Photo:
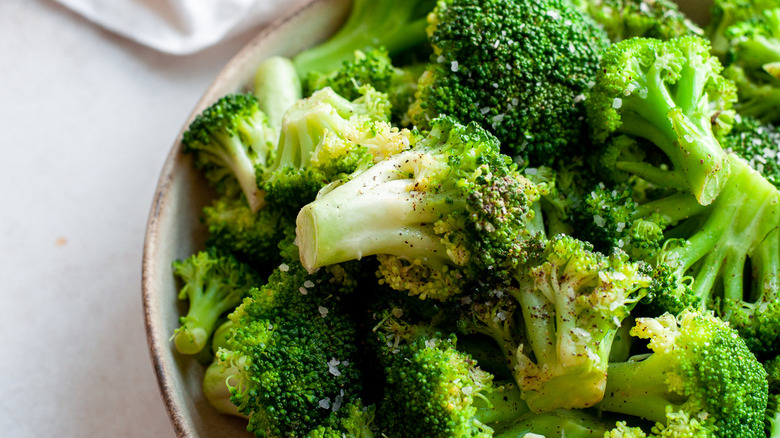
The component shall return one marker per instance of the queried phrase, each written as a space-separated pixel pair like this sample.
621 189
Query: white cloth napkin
180 27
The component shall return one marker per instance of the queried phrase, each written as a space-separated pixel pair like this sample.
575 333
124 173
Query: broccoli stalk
395 25
726 255
699 379
230 140
667 93
452 201
277 87
214 283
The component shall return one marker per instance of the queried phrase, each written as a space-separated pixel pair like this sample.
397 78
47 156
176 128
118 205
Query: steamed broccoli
324 138
396 25
442 213
433 389
214 282
699 380
726 13
625 19
753 63
277 87
290 360
231 139
668 93
519 68
374 68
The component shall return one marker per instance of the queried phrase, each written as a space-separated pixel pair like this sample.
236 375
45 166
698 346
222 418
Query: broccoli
253 237
290 362
519 68
444 212
625 19
753 63
374 68
724 256
396 25
558 423
231 139
324 138
772 423
699 380
758 144
435 390
726 13
358 422
214 282
667 92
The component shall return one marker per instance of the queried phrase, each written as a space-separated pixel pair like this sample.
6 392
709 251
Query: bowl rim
152 322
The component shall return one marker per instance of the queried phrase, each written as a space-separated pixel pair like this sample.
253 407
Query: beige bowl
174 231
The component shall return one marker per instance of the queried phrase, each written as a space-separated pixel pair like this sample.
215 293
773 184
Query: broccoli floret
231 139
441 213
668 93
519 68
252 237
324 138
758 144
433 389
291 357
726 13
356 421
753 63
214 283
396 25
699 380
772 423
625 19
374 68
573 302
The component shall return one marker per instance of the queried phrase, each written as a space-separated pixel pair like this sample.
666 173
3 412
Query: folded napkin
180 26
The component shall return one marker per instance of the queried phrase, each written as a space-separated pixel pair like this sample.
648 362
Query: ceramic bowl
174 230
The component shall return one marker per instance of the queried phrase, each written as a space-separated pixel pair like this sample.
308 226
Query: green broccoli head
252 237
292 352
519 68
214 283
625 19
453 201
573 301
699 380
232 141
324 138
667 93
726 13
754 44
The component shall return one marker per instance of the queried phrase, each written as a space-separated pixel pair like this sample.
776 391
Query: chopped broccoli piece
726 13
667 93
231 139
292 354
214 282
699 380
441 213
519 68
625 19
277 87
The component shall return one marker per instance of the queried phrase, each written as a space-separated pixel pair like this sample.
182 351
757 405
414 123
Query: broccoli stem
638 388
503 404
206 307
401 221
277 87
395 25
741 218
